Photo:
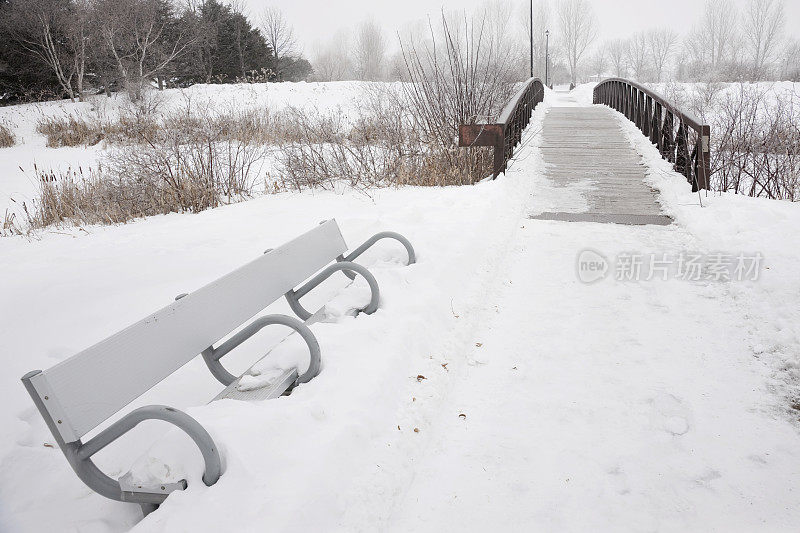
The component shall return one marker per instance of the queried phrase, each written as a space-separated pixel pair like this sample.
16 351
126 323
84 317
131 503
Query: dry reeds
7 138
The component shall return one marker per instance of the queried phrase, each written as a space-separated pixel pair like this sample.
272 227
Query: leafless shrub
7 138
755 135
454 79
381 147
756 143
165 170
456 76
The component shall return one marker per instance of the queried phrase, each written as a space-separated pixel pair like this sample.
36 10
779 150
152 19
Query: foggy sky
316 21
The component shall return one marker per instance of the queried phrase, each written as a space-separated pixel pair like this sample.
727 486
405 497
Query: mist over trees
72 48
577 27
732 40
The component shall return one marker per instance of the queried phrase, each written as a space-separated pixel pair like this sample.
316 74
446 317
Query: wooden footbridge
586 146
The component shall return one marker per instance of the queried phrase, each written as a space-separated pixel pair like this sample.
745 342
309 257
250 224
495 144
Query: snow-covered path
618 406
615 406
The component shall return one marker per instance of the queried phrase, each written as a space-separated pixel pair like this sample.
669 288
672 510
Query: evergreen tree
227 48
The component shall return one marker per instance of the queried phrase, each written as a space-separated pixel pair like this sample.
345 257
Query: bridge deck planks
586 146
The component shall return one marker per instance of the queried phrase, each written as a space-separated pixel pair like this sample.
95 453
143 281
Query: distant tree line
72 48
730 42
733 40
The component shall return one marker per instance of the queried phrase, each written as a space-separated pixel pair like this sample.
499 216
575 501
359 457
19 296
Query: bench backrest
89 387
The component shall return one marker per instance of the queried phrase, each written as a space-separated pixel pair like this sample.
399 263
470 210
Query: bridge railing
682 139
506 133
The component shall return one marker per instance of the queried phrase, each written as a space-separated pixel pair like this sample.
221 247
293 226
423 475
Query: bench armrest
412 257
212 355
190 426
293 296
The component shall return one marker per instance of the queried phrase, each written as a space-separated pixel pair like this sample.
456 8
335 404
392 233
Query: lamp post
547 59
531 27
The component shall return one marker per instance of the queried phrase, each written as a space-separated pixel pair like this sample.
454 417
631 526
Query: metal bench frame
79 454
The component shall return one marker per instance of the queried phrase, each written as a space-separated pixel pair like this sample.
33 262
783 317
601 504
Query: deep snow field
613 406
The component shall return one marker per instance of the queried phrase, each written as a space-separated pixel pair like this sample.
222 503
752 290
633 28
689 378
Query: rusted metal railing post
506 133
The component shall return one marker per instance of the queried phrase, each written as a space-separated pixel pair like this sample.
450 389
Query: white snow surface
492 390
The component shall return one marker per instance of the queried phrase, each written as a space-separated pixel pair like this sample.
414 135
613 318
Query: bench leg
148 508
412 257
293 297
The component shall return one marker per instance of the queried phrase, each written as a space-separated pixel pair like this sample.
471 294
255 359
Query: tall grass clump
7 138
70 131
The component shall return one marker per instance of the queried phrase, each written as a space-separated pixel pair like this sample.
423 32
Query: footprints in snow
669 414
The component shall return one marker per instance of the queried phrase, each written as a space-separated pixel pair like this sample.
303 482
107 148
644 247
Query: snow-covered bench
80 393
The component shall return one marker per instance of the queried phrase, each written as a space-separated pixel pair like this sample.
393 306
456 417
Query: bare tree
763 28
137 35
455 79
790 64
332 60
598 63
78 34
499 16
636 53
370 51
617 54
280 38
55 33
662 43
710 43
578 29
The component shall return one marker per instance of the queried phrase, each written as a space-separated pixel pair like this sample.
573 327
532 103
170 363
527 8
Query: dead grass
136 127
144 181
197 158
70 131
7 138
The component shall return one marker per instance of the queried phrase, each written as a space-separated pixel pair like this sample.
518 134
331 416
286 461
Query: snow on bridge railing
674 131
505 134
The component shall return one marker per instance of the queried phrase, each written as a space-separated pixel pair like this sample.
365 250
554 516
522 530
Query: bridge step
606 218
